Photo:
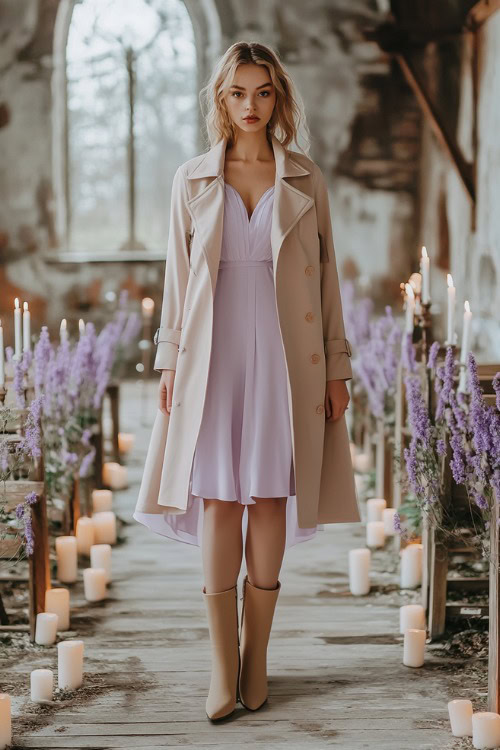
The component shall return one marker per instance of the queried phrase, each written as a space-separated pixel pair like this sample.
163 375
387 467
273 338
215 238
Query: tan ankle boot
222 614
256 621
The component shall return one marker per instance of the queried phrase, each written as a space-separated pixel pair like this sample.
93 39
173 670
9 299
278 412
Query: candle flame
16 303
409 291
449 279
25 306
424 252
467 306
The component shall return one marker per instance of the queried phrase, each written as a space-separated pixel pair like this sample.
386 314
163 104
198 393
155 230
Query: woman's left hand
336 399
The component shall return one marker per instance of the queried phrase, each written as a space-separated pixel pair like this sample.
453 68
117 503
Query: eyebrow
242 88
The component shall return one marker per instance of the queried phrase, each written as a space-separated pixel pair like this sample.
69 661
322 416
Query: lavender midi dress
244 446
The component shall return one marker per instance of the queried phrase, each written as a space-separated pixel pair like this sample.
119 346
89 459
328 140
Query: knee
223 511
268 506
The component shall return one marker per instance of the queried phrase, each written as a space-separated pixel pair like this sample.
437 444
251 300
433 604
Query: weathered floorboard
336 677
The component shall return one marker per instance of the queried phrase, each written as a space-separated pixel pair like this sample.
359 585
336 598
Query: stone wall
343 78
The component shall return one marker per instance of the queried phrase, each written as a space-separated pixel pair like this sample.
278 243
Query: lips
251 119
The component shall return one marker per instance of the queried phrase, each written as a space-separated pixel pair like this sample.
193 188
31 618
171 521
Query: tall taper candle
17 329
63 330
26 328
425 271
452 293
81 326
410 308
466 333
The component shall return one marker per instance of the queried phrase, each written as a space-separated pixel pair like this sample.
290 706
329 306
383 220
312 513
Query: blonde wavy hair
288 122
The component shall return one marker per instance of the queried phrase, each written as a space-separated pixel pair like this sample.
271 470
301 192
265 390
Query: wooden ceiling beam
464 168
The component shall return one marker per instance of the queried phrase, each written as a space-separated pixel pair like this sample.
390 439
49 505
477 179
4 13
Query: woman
254 360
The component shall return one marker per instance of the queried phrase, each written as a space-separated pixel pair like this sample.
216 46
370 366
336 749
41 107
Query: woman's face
251 97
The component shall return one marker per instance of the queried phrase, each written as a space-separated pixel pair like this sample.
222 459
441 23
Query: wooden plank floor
336 677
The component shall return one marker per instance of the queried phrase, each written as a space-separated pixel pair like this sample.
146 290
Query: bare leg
222 544
265 542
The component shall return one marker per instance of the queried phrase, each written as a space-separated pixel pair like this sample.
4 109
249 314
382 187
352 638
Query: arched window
131 118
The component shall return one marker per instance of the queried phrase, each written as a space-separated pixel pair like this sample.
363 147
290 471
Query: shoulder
307 163
190 165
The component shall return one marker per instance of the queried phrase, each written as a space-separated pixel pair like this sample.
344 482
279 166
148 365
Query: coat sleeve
168 335
337 347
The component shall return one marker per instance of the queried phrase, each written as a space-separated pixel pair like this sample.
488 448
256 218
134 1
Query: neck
251 147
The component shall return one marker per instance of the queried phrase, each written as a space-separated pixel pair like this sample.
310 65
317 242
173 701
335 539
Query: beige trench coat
311 323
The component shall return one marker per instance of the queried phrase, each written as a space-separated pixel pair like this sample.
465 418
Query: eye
265 93
236 93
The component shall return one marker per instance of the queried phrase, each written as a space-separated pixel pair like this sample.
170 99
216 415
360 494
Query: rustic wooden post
39 566
379 458
114 397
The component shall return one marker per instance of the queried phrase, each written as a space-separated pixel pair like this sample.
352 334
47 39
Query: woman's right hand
165 391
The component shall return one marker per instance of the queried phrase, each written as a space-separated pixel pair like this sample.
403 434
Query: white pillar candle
375 536
17 329
388 515
362 462
2 357
359 571
26 328
411 616
94 584
63 330
374 508
125 441
42 685
411 566
460 712
81 327
70 664
57 601
485 730
67 559
105 527
85 535
102 500
115 475
425 271
46 628
450 337
5 721
414 647
100 557
410 308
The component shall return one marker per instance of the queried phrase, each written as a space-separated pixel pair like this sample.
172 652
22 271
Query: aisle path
336 677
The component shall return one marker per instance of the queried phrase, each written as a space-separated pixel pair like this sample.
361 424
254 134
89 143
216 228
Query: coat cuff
338 359
167 342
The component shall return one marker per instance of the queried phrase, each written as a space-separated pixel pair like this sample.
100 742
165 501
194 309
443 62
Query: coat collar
212 165
207 206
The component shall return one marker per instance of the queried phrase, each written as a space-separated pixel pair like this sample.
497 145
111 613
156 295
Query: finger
328 407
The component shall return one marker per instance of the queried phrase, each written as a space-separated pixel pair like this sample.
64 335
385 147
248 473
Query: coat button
309 270
315 358
177 403
309 317
183 349
320 409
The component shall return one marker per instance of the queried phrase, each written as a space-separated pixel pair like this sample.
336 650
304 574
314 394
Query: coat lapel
207 207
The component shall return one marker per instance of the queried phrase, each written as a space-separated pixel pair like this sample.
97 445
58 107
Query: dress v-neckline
249 218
